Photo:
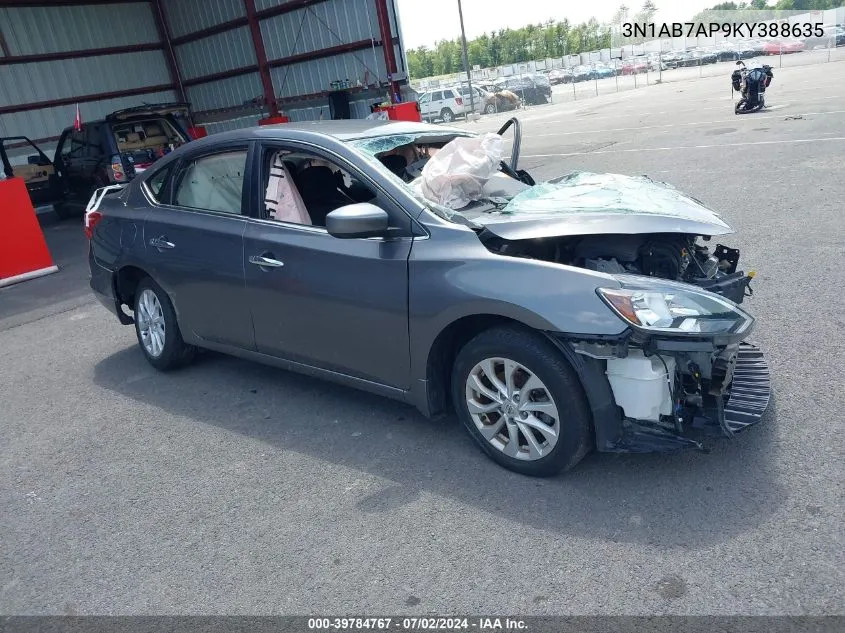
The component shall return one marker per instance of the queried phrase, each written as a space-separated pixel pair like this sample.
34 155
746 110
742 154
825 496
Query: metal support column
261 56
387 46
169 54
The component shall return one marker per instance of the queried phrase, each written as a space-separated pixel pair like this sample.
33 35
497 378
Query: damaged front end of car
617 224
683 371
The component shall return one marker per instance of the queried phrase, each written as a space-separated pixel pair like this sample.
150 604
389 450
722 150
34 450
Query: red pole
164 37
261 56
387 46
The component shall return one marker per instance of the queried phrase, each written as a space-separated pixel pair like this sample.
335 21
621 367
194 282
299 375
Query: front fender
452 277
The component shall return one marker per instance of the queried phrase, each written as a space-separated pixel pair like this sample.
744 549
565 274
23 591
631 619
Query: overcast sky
426 21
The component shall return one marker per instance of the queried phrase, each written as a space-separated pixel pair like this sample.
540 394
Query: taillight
117 168
459 101
91 220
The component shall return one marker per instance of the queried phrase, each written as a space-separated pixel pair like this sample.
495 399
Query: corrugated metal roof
225 93
34 30
225 51
44 81
187 16
317 75
320 26
48 122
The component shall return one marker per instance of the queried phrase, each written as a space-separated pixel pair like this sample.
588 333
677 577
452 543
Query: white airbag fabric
456 175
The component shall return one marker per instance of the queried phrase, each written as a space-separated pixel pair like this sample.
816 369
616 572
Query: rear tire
555 408
157 330
447 115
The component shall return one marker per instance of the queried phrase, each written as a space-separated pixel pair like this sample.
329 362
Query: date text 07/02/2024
725 29
354 624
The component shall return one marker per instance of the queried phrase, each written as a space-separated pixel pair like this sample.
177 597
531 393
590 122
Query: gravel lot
235 488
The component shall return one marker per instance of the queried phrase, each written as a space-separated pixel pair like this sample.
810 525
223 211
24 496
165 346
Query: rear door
94 161
70 155
193 238
436 103
425 104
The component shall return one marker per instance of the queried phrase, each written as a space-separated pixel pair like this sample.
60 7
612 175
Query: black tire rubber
443 114
490 109
176 352
540 356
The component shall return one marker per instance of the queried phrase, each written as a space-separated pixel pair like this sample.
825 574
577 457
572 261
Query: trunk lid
150 110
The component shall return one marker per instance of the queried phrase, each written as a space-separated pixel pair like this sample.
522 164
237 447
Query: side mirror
359 220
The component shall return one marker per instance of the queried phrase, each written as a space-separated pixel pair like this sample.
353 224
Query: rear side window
93 141
73 145
213 183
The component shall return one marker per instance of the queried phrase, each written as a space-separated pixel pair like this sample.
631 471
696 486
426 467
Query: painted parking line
693 124
686 147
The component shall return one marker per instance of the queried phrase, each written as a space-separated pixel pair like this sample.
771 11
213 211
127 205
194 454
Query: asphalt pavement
230 487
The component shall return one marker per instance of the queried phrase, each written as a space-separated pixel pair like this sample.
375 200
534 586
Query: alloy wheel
512 408
151 323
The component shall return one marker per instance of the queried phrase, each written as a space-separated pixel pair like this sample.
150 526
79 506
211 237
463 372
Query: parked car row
502 95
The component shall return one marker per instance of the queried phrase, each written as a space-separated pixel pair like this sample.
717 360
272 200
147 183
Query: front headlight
661 306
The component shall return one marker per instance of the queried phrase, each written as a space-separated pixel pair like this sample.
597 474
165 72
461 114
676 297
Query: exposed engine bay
667 256
610 223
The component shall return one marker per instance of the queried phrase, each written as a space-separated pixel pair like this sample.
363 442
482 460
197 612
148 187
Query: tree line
559 38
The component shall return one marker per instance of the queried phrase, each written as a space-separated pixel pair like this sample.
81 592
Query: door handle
161 243
261 260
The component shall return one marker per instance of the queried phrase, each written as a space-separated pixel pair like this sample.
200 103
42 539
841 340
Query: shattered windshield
460 178
402 157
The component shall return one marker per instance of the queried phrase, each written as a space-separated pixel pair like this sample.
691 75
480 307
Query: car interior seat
283 201
318 187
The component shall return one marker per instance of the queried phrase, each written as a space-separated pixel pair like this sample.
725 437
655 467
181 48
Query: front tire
490 109
522 402
157 330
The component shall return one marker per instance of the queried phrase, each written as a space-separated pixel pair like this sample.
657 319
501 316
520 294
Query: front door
337 304
193 237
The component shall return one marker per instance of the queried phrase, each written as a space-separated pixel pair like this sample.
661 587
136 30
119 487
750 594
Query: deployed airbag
456 175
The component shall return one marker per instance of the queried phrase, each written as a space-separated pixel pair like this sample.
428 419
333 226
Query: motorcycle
751 85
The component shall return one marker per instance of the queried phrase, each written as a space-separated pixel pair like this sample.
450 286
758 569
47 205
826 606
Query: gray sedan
583 313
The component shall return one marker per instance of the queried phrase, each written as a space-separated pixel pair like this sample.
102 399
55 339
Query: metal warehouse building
235 61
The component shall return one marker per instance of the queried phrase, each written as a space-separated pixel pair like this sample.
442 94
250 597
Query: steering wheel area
513 170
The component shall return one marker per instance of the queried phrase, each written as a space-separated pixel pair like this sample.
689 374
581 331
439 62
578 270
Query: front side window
303 188
213 183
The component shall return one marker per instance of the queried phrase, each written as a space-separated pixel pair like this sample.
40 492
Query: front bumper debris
743 404
750 391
